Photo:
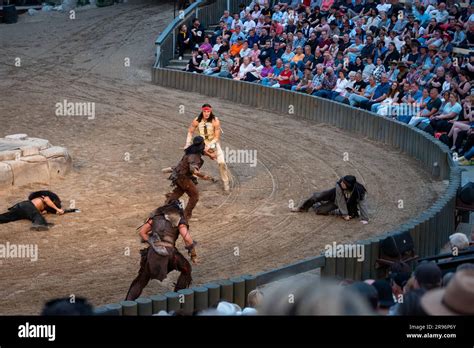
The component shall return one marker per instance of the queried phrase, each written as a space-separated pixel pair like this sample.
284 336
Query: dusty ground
86 254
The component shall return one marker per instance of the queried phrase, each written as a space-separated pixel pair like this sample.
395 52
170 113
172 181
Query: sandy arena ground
85 254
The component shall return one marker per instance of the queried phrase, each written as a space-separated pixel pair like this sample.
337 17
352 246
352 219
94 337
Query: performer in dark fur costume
38 204
183 176
161 230
347 198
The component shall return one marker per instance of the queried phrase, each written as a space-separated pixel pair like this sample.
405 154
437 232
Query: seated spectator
197 33
256 73
288 55
284 79
387 106
236 48
431 108
64 307
449 112
379 94
304 82
206 46
255 53
237 35
255 298
184 40
427 276
245 51
462 126
364 95
411 304
246 67
272 78
328 84
367 292
214 66
194 62
385 296
313 298
457 242
456 299
317 82
226 65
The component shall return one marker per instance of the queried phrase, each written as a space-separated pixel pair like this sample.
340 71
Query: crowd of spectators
410 61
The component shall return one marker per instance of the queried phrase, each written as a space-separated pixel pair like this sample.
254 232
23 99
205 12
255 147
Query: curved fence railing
429 230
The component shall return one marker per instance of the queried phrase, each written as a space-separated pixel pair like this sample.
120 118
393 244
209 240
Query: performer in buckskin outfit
209 127
161 230
347 198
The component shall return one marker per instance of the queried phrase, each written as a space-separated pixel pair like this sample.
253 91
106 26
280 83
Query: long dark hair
358 193
54 197
211 116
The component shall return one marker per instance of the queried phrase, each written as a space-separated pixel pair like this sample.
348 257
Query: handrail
164 34
171 27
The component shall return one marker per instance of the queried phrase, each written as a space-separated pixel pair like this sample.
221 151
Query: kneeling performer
347 199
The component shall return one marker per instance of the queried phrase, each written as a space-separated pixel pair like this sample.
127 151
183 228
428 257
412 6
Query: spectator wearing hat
456 299
300 40
427 276
459 37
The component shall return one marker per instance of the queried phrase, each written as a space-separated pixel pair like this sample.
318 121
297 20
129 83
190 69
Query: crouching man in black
347 199
38 204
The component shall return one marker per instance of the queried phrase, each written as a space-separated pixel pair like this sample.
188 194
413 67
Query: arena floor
86 254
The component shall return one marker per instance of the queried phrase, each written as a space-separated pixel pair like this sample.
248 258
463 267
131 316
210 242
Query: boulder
6 175
29 150
20 136
10 155
24 172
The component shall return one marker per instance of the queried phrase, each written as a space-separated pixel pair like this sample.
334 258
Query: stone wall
26 160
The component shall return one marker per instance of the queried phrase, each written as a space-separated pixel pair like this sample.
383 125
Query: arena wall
429 230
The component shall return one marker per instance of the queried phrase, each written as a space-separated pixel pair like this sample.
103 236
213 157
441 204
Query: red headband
207 108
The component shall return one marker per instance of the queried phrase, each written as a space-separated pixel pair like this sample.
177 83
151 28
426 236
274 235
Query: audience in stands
414 51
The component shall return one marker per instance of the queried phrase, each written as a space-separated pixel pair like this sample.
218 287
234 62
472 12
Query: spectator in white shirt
383 6
249 24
